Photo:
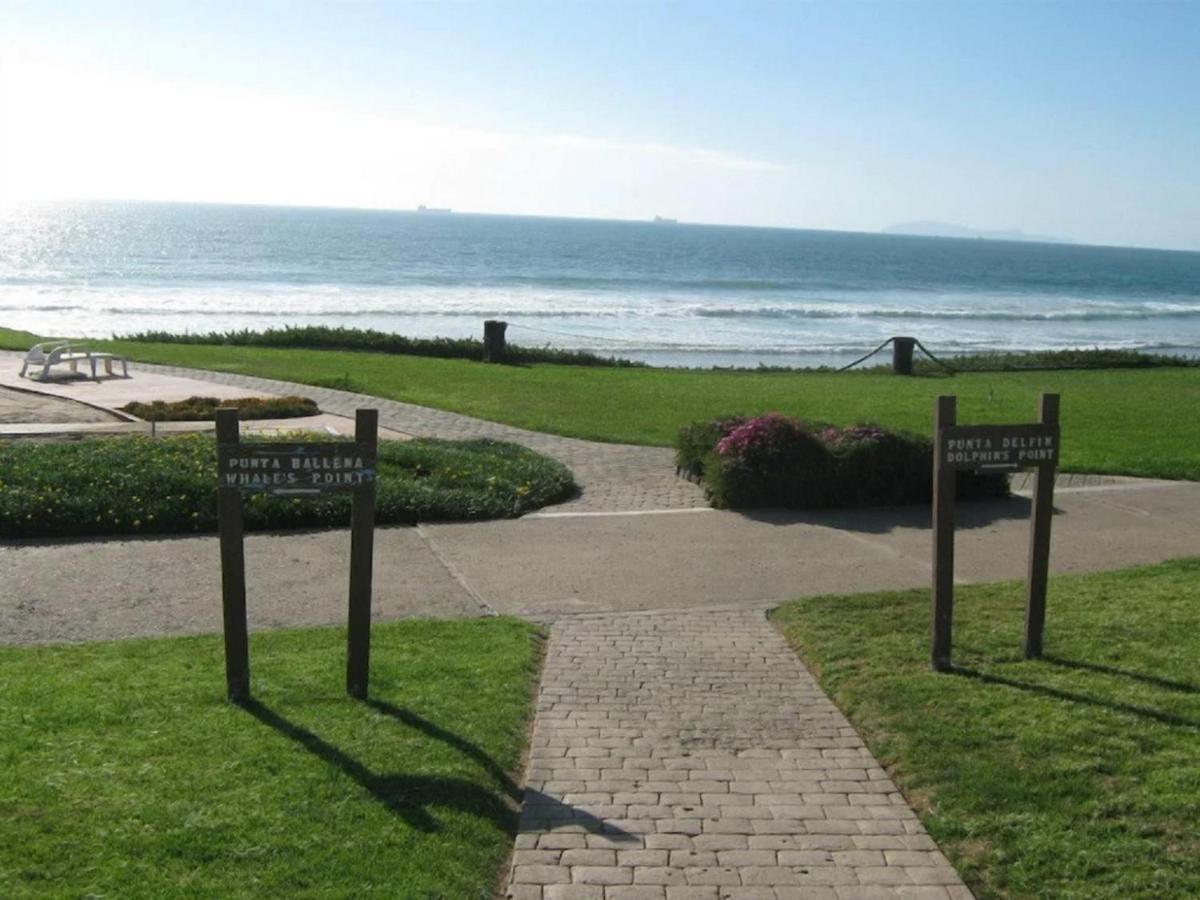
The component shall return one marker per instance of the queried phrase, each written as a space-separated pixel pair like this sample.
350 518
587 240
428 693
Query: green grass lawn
125 773
1117 421
1077 776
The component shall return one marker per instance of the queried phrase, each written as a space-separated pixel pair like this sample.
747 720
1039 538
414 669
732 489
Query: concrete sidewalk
548 565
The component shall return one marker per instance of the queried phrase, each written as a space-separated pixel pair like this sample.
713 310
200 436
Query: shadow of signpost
1145 712
542 812
1154 680
420 723
408 796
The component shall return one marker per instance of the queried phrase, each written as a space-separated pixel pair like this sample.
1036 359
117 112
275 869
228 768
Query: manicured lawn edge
1072 776
126 772
541 641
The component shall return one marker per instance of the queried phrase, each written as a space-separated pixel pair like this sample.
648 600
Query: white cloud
75 132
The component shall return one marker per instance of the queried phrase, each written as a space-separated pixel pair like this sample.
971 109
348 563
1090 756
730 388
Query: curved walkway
612 477
30 407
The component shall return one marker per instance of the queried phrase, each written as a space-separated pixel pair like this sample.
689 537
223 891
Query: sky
1077 120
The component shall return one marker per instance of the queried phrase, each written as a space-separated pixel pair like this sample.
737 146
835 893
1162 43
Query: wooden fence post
494 346
902 355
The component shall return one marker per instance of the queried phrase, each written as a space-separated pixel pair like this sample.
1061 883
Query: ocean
667 294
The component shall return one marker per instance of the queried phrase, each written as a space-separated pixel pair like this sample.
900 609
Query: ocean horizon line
1063 243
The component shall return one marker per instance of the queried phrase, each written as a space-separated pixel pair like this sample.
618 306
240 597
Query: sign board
295 470
998 448
991 448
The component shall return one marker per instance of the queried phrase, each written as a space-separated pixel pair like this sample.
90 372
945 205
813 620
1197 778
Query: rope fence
946 366
664 345
581 337
917 343
868 356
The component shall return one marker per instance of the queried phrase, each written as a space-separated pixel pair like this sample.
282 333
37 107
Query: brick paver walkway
691 756
612 477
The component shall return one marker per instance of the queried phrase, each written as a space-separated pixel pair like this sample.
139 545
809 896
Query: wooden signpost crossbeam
991 448
296 470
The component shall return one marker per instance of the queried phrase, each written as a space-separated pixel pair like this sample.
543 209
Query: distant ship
433 209
659 220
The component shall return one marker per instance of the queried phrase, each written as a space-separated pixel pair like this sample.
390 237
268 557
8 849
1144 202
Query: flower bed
775 460
204 409
139 485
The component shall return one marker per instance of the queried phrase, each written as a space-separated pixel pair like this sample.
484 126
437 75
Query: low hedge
204 409
1096 358
141 485
324 337
775 460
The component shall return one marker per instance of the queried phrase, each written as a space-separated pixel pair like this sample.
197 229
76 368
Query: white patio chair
47 354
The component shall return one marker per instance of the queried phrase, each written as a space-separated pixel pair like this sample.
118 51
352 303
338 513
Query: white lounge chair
53 353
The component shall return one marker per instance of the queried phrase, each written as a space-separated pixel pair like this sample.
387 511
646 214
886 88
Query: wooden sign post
991 448
362 562
296 470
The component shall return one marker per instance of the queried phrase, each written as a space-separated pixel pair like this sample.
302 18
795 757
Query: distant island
660 220
950 230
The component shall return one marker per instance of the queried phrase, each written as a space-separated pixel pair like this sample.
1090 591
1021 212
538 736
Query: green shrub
775 460
139 485
1095 358
697 442
323 337
204 409
879 468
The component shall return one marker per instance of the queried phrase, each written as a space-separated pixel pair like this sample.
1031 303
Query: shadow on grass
408 796
1072 697
1156 681
412 720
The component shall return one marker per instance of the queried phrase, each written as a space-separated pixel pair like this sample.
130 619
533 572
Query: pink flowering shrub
762 434
769 460
777 460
